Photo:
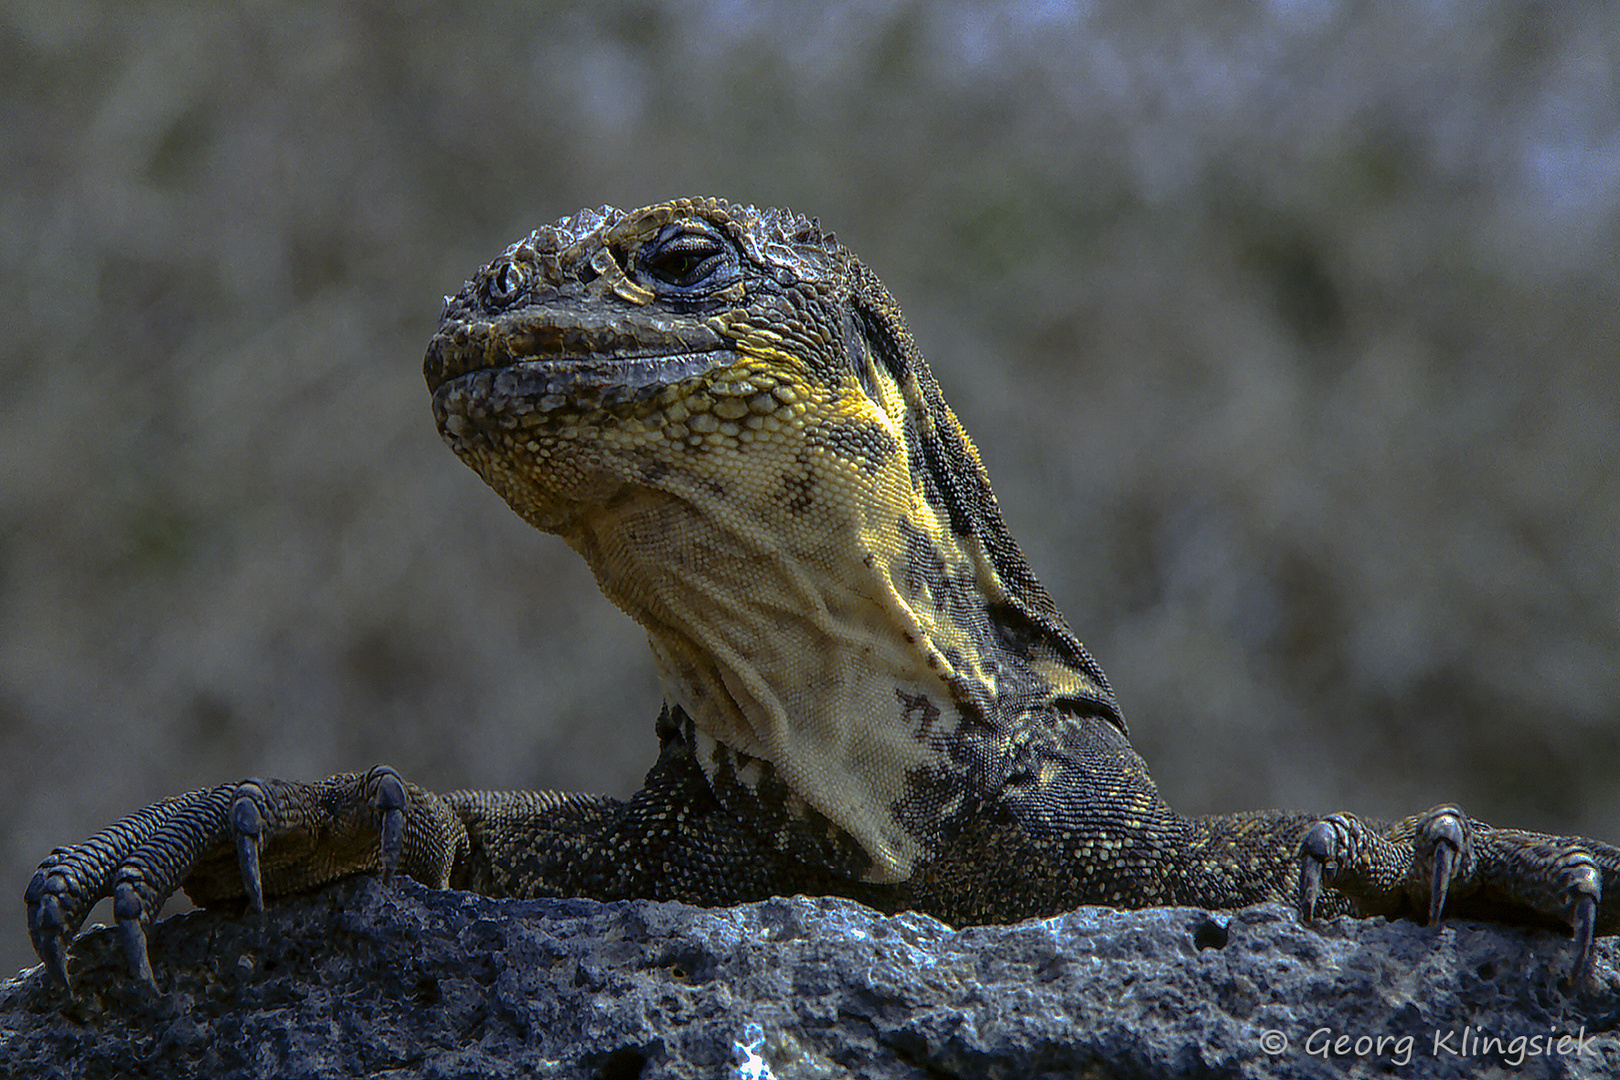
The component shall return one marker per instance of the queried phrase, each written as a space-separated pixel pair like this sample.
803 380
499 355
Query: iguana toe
1444 844
247 827
388 801
133 913
47 929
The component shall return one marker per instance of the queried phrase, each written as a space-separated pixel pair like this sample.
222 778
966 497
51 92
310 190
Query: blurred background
1289 332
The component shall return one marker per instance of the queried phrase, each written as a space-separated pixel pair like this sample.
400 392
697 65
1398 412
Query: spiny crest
790 228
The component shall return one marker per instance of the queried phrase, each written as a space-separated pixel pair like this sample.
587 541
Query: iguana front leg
241 843
244 840
1443 861
1437 863
235 841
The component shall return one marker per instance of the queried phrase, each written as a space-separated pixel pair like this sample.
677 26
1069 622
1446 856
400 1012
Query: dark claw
129 909
1310 888
389 802
1445 864
1317 850
53 950
45 926
1444 838
1587 884
1585 926
247 825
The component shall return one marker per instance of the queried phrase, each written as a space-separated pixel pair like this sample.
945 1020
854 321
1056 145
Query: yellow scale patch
716 518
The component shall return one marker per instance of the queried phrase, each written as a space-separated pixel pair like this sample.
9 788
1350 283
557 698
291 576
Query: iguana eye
688 256
504 282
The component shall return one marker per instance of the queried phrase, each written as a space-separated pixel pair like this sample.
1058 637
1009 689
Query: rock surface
400 981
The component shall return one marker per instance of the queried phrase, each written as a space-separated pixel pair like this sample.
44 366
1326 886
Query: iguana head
692 331
722 411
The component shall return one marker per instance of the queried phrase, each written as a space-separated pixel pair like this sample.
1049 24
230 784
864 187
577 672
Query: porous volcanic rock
400 981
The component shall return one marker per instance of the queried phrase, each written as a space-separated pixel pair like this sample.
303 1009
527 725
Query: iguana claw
1445 864
1443 841
1322 850
45 924
1584 926
1315 853
247 826
1585 884
130 911
389 802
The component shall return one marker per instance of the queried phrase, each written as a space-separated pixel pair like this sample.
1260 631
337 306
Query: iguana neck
835 639
772 486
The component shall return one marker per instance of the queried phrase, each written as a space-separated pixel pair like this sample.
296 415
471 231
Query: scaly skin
867 691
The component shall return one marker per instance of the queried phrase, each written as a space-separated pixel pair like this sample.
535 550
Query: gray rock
400 981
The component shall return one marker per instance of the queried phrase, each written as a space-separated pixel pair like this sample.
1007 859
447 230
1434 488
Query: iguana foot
1444 861
234 841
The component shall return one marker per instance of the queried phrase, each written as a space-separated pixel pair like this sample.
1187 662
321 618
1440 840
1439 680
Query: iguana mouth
524 393
637 354
508 368
531 384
